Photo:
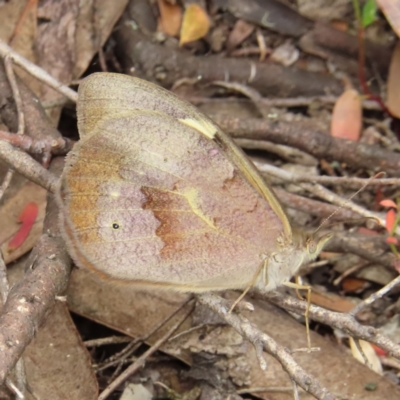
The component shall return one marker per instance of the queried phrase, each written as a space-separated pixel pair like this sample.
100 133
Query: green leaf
369 13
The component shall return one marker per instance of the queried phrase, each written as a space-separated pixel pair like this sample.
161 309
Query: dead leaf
195 24
9 213
286 54
239 33
136 392
170 17
393 83
353 285
57 363
331 301
346 120
133 311
391 9
27 218
370 354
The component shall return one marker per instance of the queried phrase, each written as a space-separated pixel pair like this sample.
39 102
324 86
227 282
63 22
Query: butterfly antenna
377 176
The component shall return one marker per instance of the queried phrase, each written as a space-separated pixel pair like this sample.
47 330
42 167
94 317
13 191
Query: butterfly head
313 245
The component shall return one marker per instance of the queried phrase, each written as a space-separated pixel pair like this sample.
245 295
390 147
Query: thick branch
30 299
319 144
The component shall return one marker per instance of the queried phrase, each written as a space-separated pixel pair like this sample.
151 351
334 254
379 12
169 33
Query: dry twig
345 322
262 341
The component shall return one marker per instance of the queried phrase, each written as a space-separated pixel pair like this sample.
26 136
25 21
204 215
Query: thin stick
21 118
348 200
375 296
37 72
107 340
295 177
16 94
343 321
261 340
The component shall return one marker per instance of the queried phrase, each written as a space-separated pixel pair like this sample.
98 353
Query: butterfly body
154 193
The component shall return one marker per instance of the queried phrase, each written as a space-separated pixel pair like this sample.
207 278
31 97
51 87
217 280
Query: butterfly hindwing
148 197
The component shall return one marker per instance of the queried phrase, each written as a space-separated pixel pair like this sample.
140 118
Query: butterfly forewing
106 95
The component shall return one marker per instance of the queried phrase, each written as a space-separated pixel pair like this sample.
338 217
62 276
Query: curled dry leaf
391 9
170 18
370 354
393 83
195 24
347 116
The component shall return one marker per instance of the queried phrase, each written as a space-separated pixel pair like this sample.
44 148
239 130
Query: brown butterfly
155 193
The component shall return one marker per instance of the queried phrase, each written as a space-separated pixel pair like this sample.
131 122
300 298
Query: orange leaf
170 18
195 24
28 218
347 116
390 219
350 284
388 203
393 83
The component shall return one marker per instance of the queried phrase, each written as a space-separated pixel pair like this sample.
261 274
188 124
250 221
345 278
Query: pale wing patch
192 196
207 128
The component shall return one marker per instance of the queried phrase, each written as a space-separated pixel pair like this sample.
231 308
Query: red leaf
28 218
392 240
388 203
380 352
390 219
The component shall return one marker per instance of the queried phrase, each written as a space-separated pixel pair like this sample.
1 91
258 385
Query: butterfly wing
105 95
148 197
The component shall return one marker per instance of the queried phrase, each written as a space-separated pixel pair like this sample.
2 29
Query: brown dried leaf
57 363
370 354
331 301
393 83
346 120
239 33
391 9
123 307
170 17
195 24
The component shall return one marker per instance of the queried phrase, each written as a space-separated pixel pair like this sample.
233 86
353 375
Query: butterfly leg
253 281
297 286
